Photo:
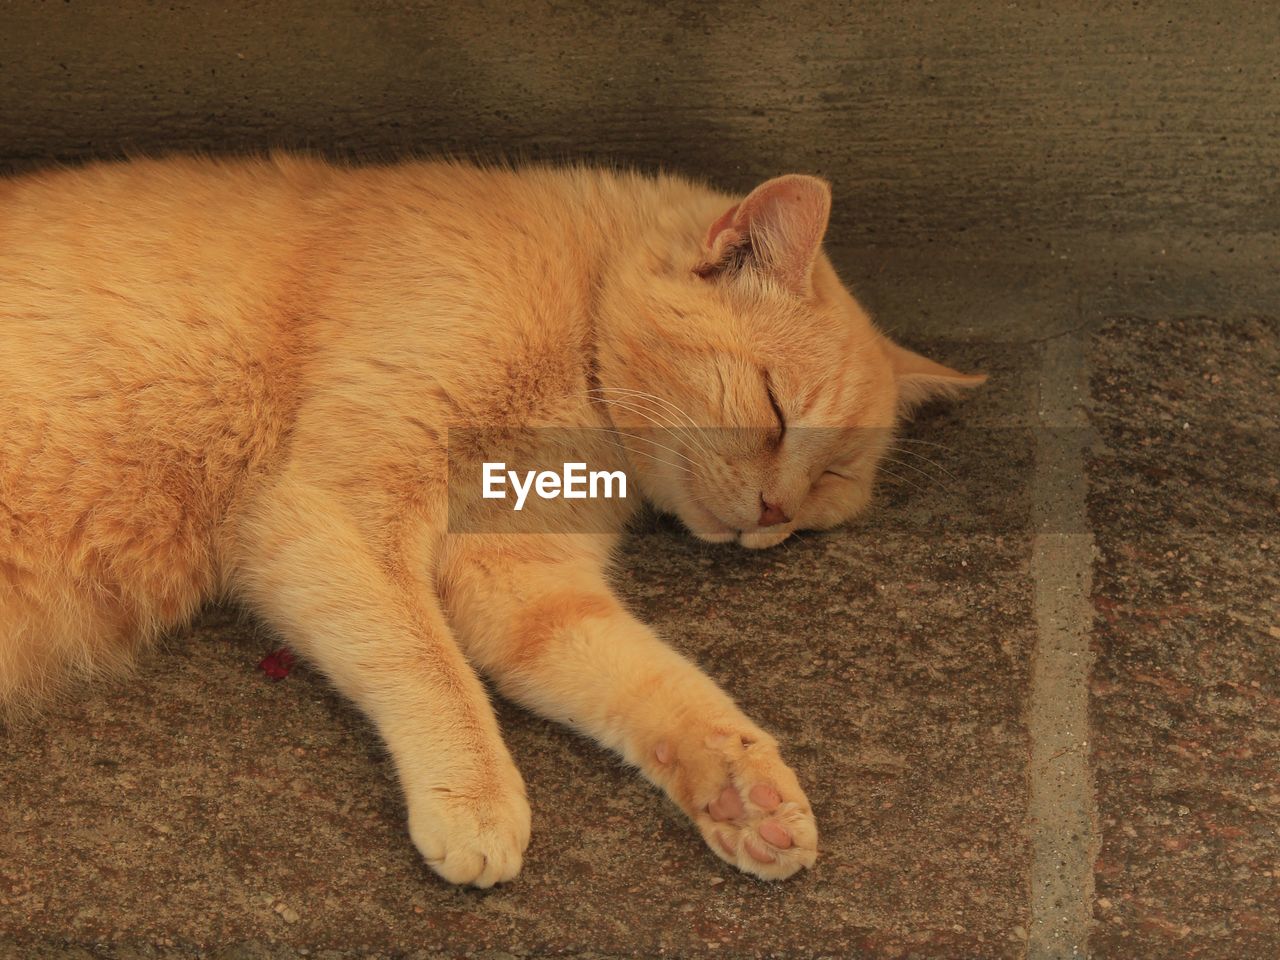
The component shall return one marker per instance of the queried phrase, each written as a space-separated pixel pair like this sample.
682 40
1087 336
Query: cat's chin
756 540
707 536
763 539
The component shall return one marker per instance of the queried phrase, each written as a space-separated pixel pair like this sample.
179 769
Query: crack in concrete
1060 807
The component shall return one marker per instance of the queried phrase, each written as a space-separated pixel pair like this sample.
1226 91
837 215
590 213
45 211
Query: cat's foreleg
374 630
544 625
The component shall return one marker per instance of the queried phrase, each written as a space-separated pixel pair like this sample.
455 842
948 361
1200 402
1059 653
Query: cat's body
240 378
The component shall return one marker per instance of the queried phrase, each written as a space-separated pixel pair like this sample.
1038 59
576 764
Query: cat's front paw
472 836
745 801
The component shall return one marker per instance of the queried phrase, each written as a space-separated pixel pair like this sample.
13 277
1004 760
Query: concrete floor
923 669
1034 696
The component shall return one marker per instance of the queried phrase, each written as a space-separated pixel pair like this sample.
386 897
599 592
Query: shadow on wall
930 120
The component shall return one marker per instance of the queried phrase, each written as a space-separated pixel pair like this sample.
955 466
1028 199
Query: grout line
1060 806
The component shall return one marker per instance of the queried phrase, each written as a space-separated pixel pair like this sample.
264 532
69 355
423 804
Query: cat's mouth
709 528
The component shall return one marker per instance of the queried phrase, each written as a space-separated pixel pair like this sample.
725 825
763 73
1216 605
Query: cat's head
753 392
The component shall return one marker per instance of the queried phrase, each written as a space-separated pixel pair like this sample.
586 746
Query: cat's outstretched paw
763 835
745 801
471 838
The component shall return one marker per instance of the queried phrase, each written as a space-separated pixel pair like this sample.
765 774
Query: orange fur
241 378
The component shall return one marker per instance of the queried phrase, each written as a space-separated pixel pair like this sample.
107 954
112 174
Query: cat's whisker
678 430
703 499
890 473
661 446
654 397
634 396
917 470
693 430
660 460
890 457
626 404
923 443
932 463
627 451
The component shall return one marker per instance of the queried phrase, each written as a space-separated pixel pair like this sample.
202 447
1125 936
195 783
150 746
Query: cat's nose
771 514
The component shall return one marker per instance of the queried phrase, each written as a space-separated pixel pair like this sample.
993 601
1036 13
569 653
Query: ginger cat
241 379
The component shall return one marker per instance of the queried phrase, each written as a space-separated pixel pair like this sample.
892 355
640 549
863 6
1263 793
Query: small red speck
277 664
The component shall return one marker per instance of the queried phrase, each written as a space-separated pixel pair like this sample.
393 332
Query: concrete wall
1009 123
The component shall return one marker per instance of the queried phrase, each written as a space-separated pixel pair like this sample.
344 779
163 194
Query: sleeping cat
255 378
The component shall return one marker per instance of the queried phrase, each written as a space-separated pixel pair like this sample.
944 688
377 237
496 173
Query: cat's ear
777 229
921 379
